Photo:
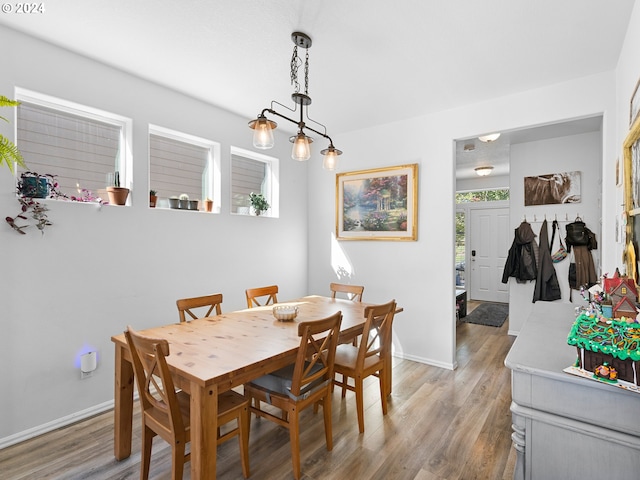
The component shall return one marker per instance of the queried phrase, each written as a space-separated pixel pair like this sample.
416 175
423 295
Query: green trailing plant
9 153
153 193
258 202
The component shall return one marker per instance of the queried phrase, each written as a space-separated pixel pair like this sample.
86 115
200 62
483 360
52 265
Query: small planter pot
174 203
153 199
117 195
35 187
208 205
193 204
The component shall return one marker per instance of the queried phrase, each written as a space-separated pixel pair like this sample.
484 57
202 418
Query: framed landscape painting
377 204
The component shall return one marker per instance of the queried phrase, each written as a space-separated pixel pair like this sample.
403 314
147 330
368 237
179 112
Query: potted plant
208 205
258 202
8 151
35 185
117 194
153 198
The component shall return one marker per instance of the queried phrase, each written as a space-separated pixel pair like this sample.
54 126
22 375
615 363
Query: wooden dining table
215 354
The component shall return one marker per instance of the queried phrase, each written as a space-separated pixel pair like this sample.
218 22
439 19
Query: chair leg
383 390
244 422
147 439
294 438
360 402
326 409
345 379
177 454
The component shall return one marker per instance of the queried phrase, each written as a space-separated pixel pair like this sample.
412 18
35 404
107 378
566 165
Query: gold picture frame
378 204
631 173
634 104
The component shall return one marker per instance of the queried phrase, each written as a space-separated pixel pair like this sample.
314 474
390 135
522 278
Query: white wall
95 271
482 183
581 153
419 274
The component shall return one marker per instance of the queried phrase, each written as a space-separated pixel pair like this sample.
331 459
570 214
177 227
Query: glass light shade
330 161
301 150
262 134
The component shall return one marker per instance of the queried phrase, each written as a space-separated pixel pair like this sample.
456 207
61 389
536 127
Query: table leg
123 409
204 427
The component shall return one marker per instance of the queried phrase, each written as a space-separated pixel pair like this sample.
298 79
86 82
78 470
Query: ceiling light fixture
484 171
489 138
263 127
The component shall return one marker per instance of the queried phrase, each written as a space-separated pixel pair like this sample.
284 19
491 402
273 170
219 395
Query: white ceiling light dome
484 171
492 137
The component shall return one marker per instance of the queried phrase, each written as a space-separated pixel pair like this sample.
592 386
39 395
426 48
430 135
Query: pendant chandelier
263 127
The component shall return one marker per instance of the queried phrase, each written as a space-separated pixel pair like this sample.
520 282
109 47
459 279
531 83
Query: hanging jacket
585 268
547 285
522 259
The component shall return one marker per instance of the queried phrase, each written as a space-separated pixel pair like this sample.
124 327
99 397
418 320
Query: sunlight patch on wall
340 263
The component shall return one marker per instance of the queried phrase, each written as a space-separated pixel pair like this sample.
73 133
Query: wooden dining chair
370 358
165 411
186 305
255 296
306 382
352 292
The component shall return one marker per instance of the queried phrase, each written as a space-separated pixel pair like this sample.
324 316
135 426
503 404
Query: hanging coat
547 285
522 262
585 268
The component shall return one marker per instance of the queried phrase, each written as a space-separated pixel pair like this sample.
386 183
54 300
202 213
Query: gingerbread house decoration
615 344
625 308
624 294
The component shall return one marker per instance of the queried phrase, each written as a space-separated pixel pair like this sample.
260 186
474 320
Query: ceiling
372 61
472 153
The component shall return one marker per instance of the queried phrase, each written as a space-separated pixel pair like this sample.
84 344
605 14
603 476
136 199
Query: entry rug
584 374
490 314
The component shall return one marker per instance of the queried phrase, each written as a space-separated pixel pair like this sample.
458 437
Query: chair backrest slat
254 296
352 292
155 385
186 305
376 334
317 351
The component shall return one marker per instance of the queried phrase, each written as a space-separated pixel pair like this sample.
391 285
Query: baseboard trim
427 361
55 424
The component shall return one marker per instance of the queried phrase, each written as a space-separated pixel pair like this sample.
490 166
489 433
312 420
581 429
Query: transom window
253 173
182 164
77 143
483 196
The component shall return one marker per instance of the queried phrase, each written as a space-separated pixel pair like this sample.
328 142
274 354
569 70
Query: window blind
178 167
79 151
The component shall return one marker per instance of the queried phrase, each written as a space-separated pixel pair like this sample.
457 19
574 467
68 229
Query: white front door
489 240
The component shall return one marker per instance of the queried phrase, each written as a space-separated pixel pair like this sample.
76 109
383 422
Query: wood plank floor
441 425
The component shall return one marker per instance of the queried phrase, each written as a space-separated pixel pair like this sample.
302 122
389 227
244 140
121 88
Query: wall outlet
84 375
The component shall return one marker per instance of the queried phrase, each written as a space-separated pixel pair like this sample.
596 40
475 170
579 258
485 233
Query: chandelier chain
294 69
306 73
